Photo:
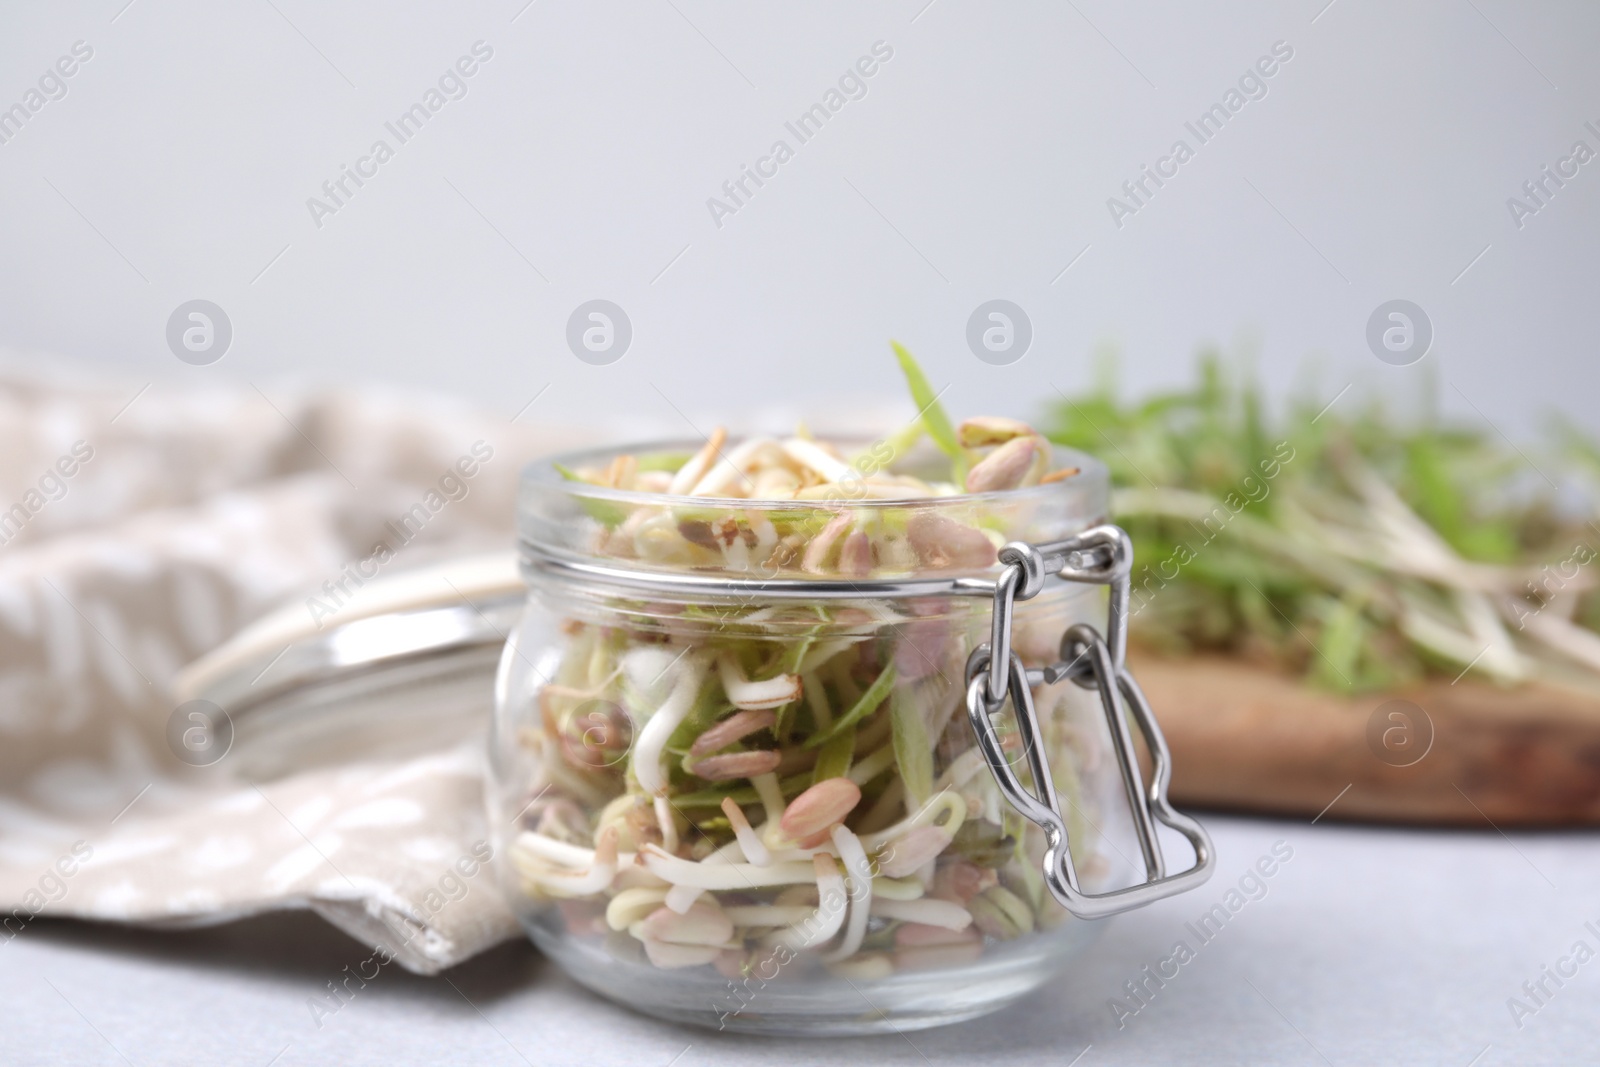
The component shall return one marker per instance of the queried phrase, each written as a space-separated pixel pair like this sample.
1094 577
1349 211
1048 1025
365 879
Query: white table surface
1371 946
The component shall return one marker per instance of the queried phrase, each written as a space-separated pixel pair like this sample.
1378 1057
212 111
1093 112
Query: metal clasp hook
1102 555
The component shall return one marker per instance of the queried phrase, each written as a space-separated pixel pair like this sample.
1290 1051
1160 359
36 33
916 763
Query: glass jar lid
405 667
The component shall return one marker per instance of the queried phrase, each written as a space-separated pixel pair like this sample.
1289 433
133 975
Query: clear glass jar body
768 814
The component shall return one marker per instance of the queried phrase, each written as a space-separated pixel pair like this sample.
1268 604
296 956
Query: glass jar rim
568 528
1092 480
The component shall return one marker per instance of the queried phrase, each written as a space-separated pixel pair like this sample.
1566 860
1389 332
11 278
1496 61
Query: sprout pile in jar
752 782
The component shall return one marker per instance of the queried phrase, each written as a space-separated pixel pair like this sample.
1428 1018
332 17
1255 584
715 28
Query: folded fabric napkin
140 528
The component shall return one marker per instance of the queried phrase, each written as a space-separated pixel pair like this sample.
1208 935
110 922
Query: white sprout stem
859 870
651 743
1421 626
733 466
810 454
799 855
692 471
669 826
645 665
928 911
756 696
638 876
766 533
1410 535
723 876
631 905
728 853
1306 541
735 554
1563 636
1410 545
680 898
575 857
886 888
768 914
761 615
1484 622
828 919
822 544
749 843
584 883
927 815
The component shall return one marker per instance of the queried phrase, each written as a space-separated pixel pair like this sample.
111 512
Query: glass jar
736 769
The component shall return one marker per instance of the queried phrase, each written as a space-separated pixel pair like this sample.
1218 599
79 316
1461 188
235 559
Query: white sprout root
859 871
561 882
723 876
749 842
631 905
680 898
691 472
651 742
928 912
826 921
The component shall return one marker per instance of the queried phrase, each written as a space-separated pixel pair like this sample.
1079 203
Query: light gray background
978 166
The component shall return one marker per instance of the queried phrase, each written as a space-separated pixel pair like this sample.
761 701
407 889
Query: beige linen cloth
141 528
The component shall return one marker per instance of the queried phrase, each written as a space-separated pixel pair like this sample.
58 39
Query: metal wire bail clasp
1102 555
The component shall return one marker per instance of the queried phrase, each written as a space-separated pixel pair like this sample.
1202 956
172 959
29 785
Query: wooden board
1246 739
